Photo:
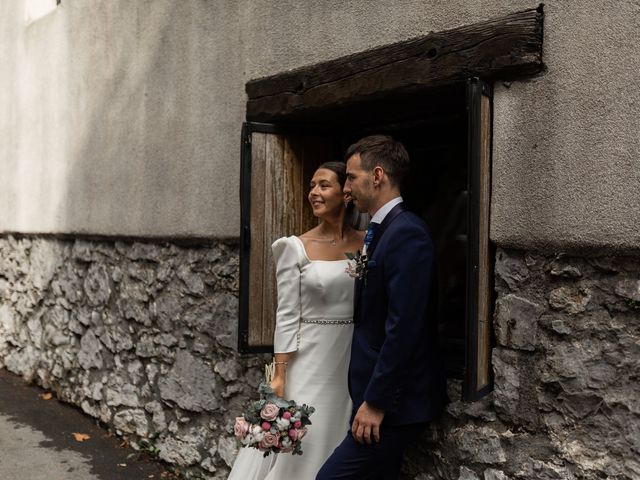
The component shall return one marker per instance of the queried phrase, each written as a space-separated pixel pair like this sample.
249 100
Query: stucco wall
124 117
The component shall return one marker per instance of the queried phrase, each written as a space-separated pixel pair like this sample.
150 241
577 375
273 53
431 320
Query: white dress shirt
384 210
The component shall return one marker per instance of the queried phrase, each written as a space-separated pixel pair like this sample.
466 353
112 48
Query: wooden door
478 381
276 169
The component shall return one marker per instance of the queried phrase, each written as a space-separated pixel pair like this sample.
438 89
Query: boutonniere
357 267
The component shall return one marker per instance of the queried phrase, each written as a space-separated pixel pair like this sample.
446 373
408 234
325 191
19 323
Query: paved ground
36 441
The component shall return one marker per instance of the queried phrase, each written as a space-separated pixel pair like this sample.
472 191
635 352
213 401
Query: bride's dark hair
339 168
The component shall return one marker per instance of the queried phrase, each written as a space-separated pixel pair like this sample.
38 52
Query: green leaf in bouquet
265 390
282 403
297 449
350 255
251 419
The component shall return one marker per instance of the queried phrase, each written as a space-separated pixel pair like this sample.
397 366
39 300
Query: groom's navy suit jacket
395 364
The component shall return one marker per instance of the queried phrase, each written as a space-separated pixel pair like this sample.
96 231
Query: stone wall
566 403
143 337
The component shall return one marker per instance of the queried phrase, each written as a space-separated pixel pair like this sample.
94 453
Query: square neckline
304 251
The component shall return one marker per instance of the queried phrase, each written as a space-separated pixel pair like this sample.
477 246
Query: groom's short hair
382 150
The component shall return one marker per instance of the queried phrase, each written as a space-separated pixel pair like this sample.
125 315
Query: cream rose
270 412
241 428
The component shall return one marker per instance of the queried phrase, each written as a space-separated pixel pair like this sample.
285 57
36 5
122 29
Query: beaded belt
345 321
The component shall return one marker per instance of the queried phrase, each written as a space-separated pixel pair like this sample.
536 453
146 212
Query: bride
314 324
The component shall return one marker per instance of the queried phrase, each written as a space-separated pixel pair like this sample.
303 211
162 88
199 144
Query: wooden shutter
276 168
478 379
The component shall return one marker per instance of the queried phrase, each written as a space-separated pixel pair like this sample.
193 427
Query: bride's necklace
331 242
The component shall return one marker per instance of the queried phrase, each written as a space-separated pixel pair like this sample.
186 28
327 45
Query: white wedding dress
315 320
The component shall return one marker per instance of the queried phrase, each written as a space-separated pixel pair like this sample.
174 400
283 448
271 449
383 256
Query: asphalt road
36 441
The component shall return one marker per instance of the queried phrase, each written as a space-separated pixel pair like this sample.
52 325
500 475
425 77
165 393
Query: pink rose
301 433
269 440
270 412
298 424
293 434
241 427
287 415
266 426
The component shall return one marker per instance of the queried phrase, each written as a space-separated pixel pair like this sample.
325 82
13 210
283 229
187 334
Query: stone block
117 393
132 421
492 474
89 355
141 251
467 474
192 281
97 285
227 449
190 384
175 451
629 289
569 299
506 394
539 470
563 268
516 322
511 268
208 465
479 444
229 369
158 417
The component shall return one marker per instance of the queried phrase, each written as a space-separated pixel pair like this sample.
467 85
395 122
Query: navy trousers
378 461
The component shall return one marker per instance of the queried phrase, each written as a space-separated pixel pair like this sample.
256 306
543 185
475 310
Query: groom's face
359 184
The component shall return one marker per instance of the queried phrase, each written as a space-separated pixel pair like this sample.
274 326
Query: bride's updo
339 168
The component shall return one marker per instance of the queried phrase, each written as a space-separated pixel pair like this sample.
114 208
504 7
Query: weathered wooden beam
502 48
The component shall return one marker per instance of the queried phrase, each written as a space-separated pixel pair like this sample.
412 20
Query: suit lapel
357 290
393 213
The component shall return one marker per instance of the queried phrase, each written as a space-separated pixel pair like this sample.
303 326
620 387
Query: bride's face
325 193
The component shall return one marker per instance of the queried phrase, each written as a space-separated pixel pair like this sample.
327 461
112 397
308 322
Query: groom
396 380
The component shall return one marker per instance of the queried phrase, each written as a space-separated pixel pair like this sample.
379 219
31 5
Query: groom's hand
366 424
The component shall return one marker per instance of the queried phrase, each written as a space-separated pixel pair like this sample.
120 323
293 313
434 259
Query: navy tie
368 238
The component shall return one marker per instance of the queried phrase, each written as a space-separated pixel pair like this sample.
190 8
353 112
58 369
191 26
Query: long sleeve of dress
286 255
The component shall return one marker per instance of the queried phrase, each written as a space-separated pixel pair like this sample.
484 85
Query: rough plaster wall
124 117
567 144
123 122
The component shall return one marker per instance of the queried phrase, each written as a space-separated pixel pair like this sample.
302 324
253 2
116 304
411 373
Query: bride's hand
278 386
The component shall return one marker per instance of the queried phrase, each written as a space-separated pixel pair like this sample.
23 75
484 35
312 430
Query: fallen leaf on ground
80 437
46 396
122 464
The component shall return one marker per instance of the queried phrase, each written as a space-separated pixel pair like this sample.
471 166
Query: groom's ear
378 175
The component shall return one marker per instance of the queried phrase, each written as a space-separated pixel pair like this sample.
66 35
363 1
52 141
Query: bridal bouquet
273 424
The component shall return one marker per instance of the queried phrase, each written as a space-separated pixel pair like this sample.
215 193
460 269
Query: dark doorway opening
433 126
